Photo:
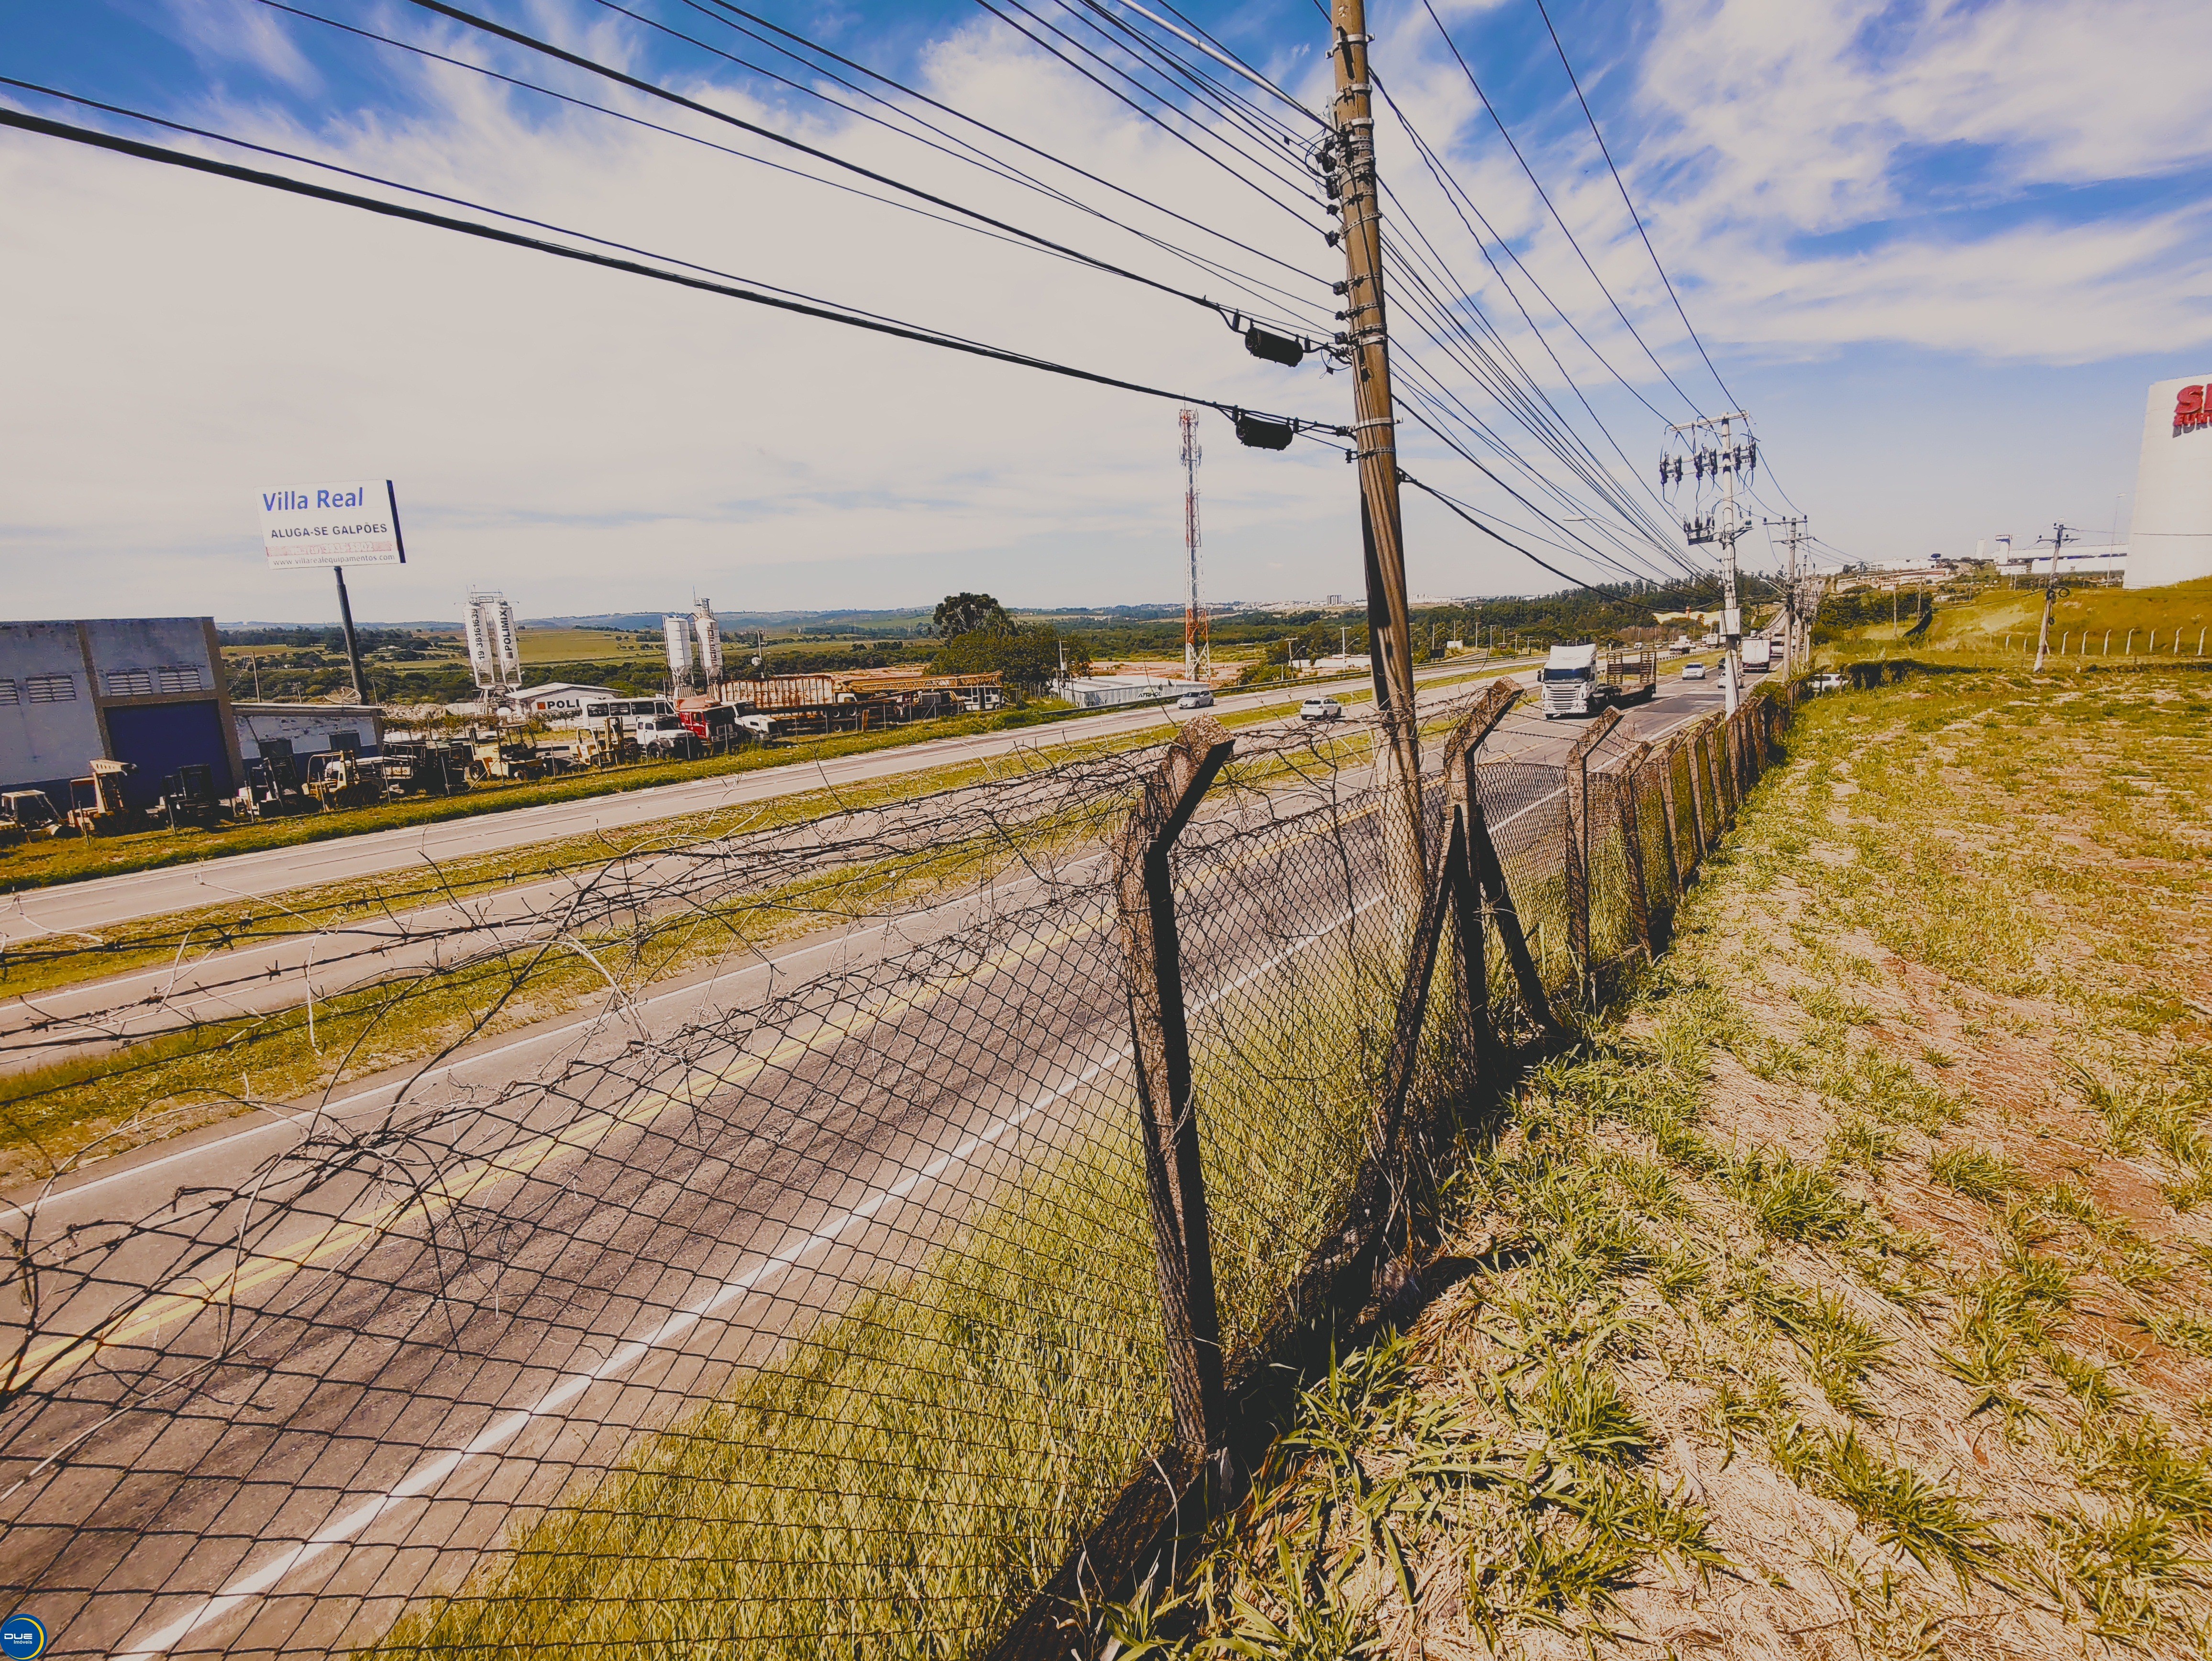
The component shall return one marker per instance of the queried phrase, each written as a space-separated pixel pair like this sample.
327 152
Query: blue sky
1939 251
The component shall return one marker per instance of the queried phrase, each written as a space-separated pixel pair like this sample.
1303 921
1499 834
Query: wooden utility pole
1389 630
2049 597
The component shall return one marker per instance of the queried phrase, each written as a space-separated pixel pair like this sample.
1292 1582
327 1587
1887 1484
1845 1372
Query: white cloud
591 441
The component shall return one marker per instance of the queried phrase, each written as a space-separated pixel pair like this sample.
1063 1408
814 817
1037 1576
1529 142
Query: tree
1027 658
969 614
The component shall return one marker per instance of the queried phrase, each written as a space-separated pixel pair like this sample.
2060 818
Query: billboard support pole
353 646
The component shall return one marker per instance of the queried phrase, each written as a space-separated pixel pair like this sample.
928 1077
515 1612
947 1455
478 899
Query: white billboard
356 523
2170 537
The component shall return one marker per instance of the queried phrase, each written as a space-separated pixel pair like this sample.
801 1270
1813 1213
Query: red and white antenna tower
1197 646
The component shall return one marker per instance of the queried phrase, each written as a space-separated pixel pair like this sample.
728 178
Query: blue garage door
160 737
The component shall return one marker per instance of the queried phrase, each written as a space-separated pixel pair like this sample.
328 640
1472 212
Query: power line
780 300
1635 217
1471 517
653 90
1249 284
1546 198
984 126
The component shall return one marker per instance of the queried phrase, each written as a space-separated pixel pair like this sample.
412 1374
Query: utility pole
1790 648
353 646
1724 462
1374 425
2058 540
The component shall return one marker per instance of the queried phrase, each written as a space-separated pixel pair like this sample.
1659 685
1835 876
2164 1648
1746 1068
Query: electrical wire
653 90
1470 515
1546 198
763 295
1575 81
984 126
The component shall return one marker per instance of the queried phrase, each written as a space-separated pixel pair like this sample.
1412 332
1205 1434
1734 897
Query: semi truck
1588 679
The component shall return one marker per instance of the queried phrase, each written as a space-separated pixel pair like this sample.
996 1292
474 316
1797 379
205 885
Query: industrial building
311 729
150 691
2171 536
558 699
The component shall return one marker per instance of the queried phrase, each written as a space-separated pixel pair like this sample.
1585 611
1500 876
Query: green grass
905 1471
1949 951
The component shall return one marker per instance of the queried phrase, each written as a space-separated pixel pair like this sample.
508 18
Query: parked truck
1586 680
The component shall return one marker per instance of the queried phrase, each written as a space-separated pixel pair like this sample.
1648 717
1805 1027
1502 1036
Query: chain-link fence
838 1305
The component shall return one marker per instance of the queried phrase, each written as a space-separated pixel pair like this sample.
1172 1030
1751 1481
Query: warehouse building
147 690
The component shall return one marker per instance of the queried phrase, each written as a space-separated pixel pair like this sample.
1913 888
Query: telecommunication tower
1197 644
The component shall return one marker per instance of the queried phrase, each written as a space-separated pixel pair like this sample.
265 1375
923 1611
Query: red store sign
2192 408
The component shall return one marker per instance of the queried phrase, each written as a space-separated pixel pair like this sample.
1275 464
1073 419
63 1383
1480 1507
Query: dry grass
1849 1293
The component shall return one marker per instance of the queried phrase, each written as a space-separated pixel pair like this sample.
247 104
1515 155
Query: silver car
1320 709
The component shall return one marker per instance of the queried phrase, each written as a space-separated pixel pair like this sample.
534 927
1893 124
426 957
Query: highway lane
287 971
368 1435
82 907
630 1260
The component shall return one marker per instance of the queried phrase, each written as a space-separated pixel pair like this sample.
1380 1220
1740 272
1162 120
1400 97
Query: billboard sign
349 524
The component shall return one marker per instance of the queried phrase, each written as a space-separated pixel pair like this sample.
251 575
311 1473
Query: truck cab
1586 679
1569 678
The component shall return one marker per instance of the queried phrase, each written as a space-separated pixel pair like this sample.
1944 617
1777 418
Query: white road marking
502 1431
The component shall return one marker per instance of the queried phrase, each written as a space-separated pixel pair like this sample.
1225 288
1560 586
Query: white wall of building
2171 540
49 724
307 727
149 690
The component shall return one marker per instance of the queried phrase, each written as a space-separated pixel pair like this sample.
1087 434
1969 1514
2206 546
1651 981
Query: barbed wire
821 1314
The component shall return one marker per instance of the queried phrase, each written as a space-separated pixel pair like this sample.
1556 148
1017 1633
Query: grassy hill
1978 627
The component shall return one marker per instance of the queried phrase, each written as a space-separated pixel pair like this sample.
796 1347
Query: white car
1195 701
1831 682
1320 709
1693 671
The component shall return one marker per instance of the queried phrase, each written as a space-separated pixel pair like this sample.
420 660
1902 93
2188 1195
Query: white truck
1758 655
1586 680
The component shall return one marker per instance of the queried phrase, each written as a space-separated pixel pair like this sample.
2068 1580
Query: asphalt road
445 1318
85 1018
438 1315
105 901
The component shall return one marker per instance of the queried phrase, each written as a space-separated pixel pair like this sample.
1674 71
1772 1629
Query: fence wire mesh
814 1314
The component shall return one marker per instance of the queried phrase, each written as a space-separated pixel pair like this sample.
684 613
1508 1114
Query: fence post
1145 892
1700 807
1472 969
1670 816
1578 848
1628 778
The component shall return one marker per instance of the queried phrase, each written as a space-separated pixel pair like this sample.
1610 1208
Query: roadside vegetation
1848 1290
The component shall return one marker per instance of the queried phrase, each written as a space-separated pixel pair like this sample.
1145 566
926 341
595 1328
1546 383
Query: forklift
96 805
188 797
26 814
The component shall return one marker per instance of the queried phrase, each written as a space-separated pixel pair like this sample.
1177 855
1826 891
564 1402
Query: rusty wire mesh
823 1320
